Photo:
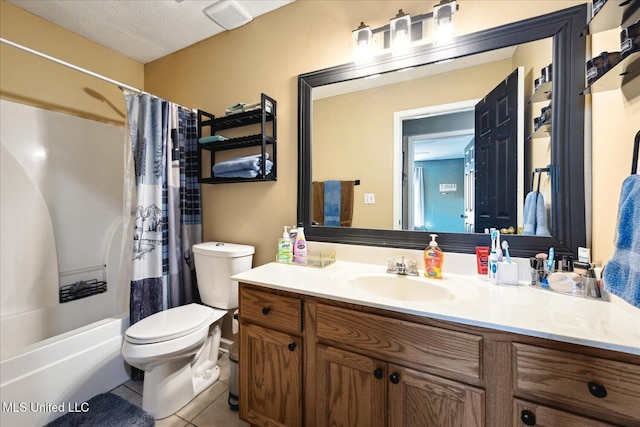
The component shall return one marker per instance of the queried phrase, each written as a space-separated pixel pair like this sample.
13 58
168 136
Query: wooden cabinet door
271 374
351 389
419 399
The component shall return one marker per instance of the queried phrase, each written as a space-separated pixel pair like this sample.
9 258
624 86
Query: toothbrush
505 246
550 260
498 246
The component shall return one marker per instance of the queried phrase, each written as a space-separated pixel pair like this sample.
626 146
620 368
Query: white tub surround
520 309
56 375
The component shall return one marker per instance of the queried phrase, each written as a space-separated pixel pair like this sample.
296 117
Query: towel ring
539 172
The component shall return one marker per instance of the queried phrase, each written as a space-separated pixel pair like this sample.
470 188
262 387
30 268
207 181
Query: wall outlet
369 198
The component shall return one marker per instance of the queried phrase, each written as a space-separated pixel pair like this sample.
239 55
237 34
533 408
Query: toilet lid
173 323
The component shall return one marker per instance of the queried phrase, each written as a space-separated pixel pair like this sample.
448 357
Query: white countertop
520 309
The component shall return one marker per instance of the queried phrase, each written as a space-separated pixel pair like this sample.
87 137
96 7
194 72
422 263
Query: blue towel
622 272
529 227
332 196
535 215
541 217
239 164
213 138
245 173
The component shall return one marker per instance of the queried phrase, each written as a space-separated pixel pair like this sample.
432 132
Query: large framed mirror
321 91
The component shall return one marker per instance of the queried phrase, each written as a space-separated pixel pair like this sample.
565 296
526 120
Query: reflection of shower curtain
167 222
418 199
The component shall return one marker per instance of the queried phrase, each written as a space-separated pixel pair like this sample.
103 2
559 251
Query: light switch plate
369 198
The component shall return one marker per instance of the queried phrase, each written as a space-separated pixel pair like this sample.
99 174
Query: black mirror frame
567 153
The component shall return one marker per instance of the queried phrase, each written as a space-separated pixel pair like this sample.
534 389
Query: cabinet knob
528 417
394 378
597 390
265 310
377 373
291 346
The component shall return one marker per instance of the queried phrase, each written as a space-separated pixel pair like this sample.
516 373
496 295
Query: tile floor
210 408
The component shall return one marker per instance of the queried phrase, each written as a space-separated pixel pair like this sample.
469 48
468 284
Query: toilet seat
172 324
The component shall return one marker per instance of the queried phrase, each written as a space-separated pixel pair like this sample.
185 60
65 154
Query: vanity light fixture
445 28
403 30
400 31
362 43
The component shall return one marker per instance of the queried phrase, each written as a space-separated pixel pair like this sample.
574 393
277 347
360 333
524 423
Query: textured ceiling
144 30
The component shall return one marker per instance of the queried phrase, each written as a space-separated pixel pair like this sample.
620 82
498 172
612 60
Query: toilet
178 348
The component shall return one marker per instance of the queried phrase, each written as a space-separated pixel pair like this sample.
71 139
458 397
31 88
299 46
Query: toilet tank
216 262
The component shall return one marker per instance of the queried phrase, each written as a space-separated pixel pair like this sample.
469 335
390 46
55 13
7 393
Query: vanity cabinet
357 390
603 388
316 362
270 359
383 374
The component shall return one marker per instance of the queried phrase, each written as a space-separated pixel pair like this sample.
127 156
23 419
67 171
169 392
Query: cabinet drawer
398 340
530 414
593 383
273 311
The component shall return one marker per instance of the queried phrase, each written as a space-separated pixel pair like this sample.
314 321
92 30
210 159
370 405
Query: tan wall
616 119
266 56
341 143
535 55
28 79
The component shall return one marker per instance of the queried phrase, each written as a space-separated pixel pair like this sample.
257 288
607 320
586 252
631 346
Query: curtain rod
121 85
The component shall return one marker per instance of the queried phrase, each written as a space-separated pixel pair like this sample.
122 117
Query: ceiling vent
228 14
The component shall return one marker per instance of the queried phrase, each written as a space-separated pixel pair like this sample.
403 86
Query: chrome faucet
402 269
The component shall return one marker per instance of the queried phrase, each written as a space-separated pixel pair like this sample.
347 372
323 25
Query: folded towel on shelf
535 215
245 173
238 108
622 273
212 138
240 163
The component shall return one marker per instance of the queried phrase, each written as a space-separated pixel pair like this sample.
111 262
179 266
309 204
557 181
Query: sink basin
404 288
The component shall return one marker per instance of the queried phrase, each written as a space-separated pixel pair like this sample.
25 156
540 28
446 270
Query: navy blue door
496 180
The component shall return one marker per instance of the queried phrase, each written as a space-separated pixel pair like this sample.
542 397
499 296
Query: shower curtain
167 205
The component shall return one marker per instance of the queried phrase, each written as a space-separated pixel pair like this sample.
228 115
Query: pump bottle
284 247
433 259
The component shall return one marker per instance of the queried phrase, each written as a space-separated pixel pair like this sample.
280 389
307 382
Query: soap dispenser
284 247
433 259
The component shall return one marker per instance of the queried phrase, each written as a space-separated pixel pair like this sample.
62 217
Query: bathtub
58 374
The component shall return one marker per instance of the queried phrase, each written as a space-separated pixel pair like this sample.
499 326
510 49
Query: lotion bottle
284 247
300 248
433 259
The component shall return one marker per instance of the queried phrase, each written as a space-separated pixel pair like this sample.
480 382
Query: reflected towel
529 227
332 195
622 273
240 163
346 203
541 217
535 215
317 203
